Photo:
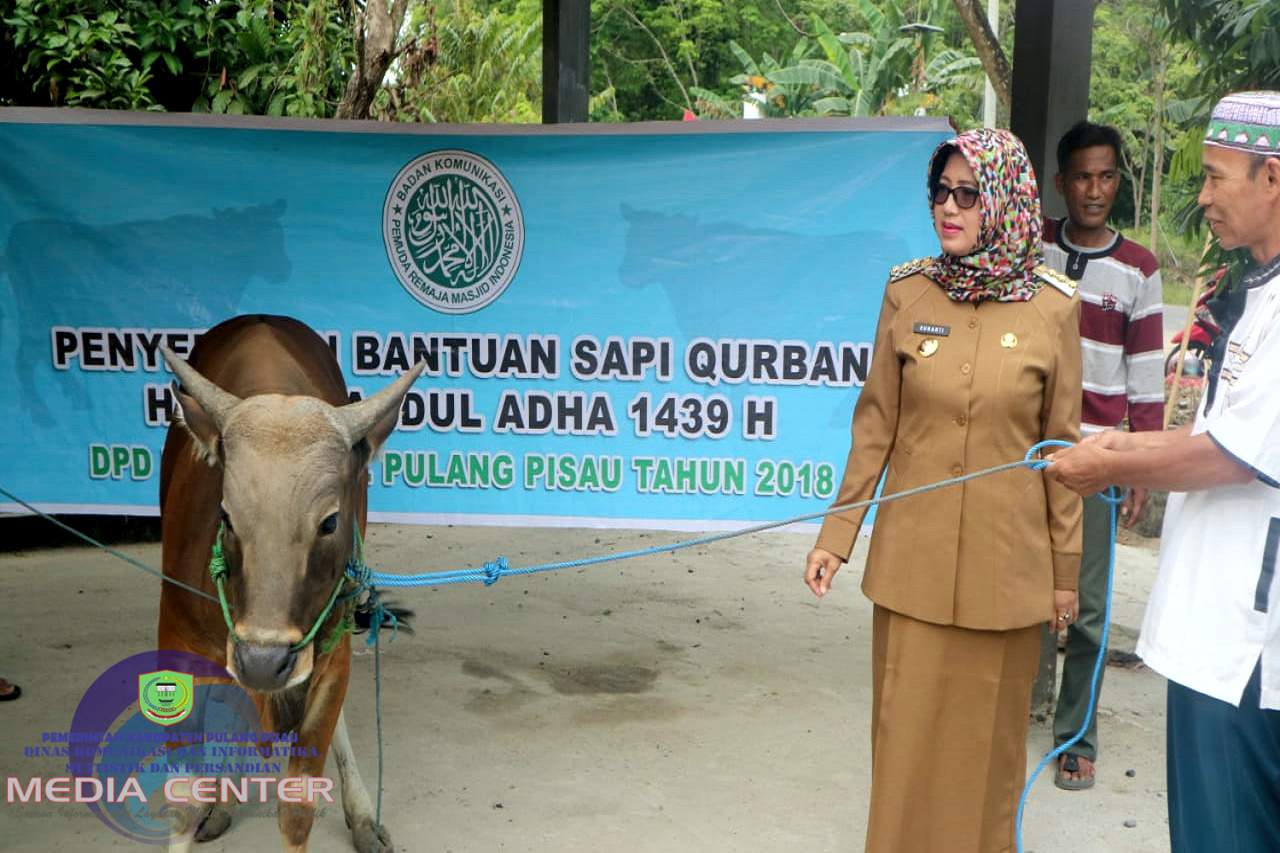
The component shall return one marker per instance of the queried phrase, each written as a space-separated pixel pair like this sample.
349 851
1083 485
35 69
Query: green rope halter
218 572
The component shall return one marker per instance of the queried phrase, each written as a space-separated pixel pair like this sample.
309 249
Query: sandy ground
701 701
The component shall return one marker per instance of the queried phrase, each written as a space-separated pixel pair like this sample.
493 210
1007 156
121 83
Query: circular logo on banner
453 230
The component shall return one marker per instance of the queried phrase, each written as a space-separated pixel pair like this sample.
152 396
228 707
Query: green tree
1237 47
1134 55
1238 41
279 57
894 65
468 63
650 54
764 84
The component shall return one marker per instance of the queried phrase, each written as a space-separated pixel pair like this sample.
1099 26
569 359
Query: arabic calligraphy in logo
453 230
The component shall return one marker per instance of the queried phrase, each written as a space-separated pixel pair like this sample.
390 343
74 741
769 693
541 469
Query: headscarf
1008 249
1246 121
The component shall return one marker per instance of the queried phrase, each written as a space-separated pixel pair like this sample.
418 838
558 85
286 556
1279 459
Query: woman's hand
1064 609
820 568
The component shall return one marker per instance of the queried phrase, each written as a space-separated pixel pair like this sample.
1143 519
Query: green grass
1177 288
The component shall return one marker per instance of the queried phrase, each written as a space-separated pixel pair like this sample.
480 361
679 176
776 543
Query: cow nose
264 667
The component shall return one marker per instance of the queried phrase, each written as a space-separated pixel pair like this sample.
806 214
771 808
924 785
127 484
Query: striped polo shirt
1121 329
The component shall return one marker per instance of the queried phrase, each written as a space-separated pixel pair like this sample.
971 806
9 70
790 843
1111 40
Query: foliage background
1158 65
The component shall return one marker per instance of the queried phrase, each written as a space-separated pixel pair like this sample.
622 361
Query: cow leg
323 709
189 822
213 821
366 835
194 822
183 819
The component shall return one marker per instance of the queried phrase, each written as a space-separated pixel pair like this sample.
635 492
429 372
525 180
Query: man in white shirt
1212 626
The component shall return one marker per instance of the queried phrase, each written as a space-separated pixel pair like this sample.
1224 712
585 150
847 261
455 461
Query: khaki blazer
953 388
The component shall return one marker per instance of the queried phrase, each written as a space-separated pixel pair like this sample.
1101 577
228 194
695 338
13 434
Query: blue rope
137 564
1111 496
367 580
378 612
497 569
491 572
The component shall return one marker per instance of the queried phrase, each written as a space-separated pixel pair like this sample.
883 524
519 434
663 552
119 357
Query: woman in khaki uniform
977 357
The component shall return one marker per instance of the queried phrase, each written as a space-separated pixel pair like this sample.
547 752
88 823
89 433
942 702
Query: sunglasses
966 197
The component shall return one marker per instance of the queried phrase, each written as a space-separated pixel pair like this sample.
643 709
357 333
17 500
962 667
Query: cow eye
329 525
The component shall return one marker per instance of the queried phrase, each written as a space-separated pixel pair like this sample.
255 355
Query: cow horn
216 402
359 418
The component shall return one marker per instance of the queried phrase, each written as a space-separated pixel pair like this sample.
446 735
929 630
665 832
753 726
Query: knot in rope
218 562
379 616
495 570
361 578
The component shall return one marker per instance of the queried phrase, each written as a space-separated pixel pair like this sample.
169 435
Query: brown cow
270 448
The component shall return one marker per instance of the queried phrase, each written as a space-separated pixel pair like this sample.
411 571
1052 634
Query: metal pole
566 60
1175 389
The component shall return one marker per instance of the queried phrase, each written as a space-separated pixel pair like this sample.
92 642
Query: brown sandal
1070 763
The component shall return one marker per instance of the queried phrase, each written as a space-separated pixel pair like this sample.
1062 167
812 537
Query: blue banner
646 325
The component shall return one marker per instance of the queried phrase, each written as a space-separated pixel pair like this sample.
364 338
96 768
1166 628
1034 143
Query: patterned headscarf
1008 248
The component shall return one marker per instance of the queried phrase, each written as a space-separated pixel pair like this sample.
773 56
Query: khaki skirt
949 720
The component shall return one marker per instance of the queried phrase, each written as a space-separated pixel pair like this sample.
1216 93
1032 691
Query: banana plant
767 84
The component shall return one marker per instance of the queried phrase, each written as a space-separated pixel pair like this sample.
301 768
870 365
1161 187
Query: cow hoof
370 838
213 823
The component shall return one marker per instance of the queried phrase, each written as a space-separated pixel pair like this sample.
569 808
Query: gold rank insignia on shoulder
1059 281
910 268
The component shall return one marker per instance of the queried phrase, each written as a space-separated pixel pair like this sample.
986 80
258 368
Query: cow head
292 475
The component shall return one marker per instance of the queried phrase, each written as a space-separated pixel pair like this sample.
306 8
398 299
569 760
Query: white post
989 92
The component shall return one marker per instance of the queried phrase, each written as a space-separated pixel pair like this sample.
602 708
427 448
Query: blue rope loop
1040 464
379 616
1114 497
361 578
362 583
495 571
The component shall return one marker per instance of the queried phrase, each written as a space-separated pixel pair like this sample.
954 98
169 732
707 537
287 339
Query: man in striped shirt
1122 335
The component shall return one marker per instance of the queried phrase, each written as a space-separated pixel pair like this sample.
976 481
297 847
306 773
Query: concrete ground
702 701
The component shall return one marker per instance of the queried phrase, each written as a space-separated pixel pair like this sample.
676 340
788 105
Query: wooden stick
1174 392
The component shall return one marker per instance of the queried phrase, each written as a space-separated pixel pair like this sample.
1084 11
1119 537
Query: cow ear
204 407
198 424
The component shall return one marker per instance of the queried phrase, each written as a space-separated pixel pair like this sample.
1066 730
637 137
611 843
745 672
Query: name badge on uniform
930 329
